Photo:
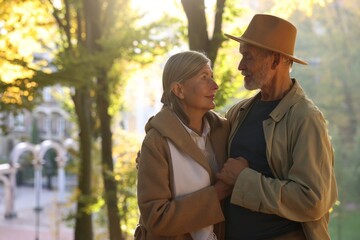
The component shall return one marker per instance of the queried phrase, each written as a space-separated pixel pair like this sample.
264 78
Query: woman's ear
177 89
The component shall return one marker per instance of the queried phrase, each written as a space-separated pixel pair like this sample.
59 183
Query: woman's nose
214 86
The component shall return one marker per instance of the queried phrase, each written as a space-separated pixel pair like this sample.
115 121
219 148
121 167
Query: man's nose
241 65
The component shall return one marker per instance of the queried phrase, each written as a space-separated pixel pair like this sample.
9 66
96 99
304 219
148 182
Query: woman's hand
222 189
231 170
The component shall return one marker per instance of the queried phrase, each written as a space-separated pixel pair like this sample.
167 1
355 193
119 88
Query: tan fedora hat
272 33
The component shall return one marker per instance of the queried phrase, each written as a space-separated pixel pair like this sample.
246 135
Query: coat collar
292 97
170 127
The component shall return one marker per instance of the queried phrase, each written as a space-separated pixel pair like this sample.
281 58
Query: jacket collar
292 97
295 94
169 126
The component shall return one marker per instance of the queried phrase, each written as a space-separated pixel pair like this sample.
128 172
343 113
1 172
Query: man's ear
276 60
177 89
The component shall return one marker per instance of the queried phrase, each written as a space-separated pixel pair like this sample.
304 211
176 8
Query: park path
27 225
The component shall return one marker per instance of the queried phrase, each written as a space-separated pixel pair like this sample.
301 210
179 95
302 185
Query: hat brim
241 39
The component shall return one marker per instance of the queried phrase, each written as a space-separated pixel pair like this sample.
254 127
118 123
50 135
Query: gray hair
180 67
284 59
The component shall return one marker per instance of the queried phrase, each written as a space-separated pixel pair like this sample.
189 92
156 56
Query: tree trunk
110 188
197 27
82 102
83 219
217 37
93 32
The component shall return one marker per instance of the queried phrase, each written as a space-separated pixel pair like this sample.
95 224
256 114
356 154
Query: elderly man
281 159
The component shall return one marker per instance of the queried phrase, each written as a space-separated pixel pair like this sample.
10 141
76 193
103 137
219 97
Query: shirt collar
205 132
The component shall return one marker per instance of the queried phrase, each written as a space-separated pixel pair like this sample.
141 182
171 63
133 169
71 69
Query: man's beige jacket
301 158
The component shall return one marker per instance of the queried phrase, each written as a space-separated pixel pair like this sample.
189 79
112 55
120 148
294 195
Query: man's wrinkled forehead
245 47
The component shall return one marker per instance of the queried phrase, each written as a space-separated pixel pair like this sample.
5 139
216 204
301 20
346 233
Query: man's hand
231 170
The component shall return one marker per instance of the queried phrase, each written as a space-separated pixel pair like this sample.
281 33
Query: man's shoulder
301 103
305 106
237 107
306 110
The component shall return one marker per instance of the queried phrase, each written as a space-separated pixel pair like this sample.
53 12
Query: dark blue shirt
249 142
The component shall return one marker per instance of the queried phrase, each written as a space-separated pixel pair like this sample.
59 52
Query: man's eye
246 57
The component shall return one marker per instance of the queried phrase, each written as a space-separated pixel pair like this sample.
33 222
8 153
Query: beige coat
163 216
301 158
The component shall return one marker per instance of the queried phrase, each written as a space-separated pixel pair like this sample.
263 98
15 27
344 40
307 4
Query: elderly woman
184 146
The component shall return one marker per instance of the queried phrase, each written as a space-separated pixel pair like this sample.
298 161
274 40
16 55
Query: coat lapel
176 133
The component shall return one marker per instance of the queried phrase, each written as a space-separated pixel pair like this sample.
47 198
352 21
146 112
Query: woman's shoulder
217 122
215 117
153 136
154 146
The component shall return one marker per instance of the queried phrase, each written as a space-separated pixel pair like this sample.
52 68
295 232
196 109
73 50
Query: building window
42 123
47 95
17 122
57 124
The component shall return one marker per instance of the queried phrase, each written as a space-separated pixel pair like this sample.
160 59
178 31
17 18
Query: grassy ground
345 225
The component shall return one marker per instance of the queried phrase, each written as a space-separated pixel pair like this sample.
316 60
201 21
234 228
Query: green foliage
18 95
125 150
94 203
232 11
228 76
229 86
226 71
156 39
24 27
126 147
345 225
347 166
140 46
330 79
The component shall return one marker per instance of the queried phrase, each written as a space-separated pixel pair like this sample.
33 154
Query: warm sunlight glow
11 72
57 4
156 8
285 8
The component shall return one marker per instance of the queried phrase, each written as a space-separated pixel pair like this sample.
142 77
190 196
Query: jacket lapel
178 135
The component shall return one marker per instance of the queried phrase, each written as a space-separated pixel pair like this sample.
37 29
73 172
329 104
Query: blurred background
79 80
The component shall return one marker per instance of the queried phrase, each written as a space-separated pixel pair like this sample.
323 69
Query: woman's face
198 93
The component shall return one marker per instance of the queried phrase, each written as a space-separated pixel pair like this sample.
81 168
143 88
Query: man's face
255 66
